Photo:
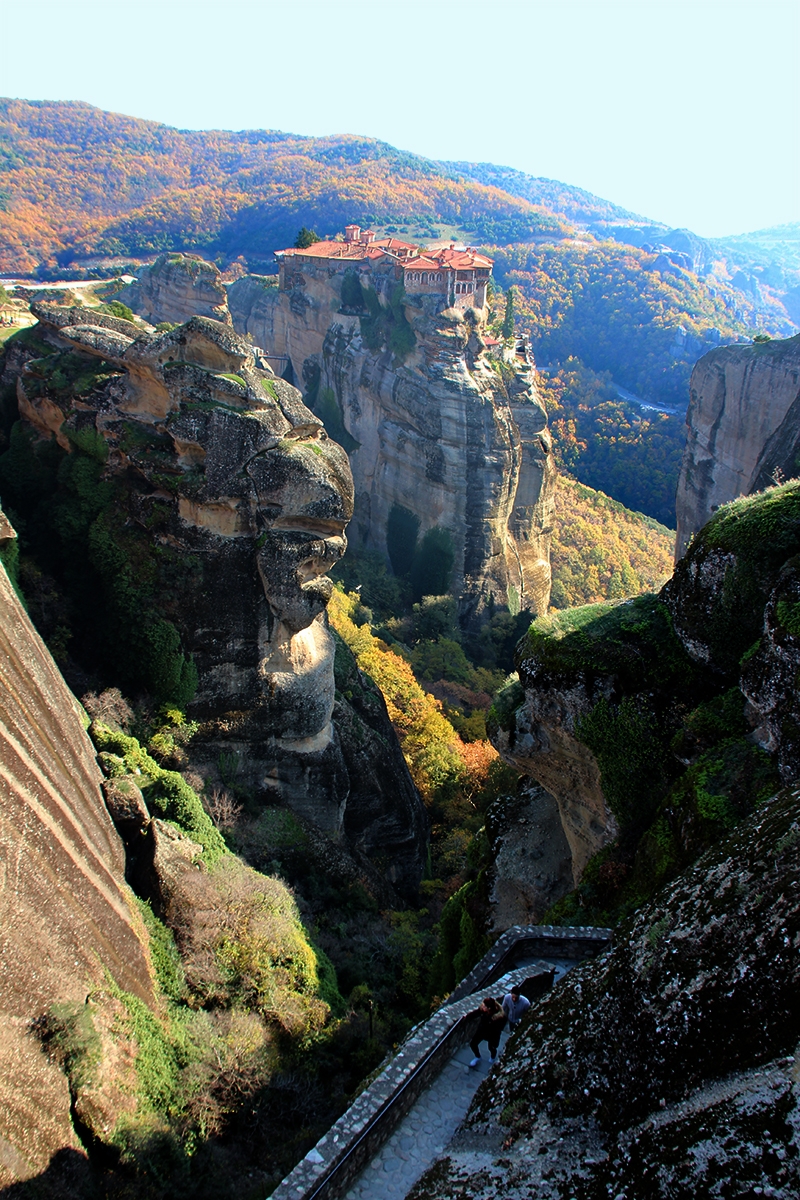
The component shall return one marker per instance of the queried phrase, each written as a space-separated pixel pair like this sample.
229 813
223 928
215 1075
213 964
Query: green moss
89 442
328 410
233 378
788 614
725 785
761 533
157 1064
109 569
66 374
115 308
627 741
504 706
719 718
462 936
70 1036
167 792
164 954
387 325
632 640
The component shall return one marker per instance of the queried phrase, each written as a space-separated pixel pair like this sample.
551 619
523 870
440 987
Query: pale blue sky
684 112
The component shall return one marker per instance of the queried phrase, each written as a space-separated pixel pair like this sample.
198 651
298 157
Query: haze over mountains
616 306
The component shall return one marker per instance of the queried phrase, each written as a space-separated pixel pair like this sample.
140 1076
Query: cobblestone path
428 1127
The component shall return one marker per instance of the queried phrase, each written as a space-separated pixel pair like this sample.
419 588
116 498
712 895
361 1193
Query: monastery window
424 276
470 288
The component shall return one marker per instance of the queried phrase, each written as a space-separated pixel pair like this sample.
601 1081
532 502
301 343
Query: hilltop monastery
459 276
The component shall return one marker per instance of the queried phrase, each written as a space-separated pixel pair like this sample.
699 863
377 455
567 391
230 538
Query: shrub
402 530
115 308
352 293
432 568
167 793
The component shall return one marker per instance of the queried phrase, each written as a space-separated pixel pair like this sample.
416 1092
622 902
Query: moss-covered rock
720 588
668 1067
666 719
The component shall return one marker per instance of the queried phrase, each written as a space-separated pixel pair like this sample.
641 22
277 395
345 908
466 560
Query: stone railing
570 942
338 1158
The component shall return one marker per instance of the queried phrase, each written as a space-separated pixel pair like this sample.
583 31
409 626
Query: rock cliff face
659 722
743 428
66 915
439 428
235 480
175 288
531 858
668 1067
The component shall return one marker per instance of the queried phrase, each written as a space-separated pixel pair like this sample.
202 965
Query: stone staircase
405 1118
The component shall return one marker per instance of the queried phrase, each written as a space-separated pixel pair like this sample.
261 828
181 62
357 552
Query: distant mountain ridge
82 190
76 181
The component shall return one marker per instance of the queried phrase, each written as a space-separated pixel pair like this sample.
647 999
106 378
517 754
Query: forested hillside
603 551
77 181
85 190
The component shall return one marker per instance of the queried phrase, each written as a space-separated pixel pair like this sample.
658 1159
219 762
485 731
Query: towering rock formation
663 719
66 915
175 288
743 428
434 423
220 467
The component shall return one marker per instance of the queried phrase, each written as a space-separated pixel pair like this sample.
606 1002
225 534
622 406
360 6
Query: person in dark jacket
490 1026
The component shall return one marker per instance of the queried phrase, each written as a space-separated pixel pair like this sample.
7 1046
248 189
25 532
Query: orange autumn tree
430 745
437 757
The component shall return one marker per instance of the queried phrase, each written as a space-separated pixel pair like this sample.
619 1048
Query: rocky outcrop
658 722
222 466
67 920
175 288
743 428
735 605
437 426
531 860
670 1066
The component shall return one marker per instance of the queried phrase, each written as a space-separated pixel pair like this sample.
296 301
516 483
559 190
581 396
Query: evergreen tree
306 237
508 319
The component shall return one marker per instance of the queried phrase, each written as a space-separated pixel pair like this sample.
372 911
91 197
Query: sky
685 113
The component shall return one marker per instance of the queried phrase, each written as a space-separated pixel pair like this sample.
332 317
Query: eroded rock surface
453 435
668 714
66 916
743 428
531 858
236 481
669 1067
175 288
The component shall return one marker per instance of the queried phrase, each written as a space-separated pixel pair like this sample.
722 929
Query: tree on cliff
508 319
306 237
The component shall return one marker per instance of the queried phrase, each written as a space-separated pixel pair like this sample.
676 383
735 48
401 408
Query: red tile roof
329 250
427 260
394 244
421 263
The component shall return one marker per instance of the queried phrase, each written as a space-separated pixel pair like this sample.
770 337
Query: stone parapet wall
328 1170
338 1158
546 941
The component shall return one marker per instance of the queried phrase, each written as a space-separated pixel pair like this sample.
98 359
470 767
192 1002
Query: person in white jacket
515 1005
